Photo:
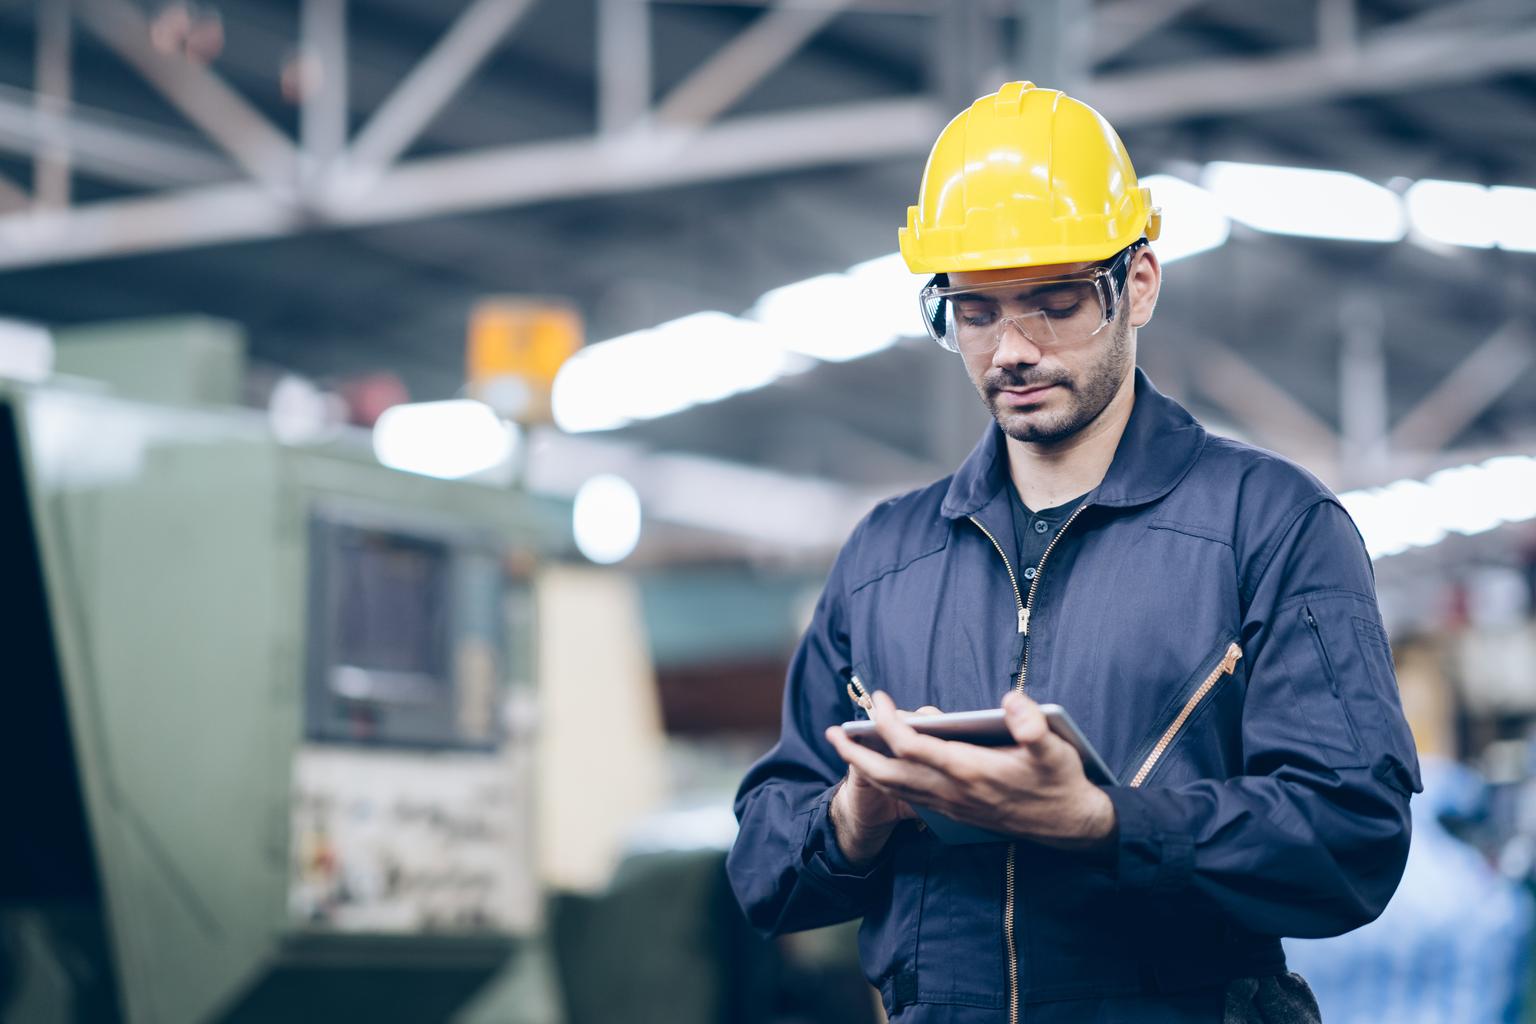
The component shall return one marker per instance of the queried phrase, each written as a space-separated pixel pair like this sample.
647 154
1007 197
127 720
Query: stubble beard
1088 397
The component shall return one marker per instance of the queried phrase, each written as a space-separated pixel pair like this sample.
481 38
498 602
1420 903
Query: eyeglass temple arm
938 281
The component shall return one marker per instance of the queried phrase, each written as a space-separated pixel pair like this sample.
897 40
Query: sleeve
785 866
1312 838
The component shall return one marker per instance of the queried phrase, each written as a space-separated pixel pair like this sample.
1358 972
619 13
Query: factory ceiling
1254 336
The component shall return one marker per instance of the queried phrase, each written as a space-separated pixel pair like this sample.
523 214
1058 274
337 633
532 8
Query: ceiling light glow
1454 212
1462 500
1193 221
606 519
449 440
1302 201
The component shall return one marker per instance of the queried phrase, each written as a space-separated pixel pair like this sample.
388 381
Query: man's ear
1142 285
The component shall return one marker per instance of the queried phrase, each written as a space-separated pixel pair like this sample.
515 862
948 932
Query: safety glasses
1052 312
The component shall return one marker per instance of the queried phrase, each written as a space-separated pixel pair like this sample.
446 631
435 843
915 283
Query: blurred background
425 428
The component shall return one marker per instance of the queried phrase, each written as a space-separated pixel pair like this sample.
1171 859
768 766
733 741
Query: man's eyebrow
1049 289
1028 293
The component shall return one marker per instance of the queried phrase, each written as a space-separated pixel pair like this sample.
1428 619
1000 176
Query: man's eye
1062 312
973 316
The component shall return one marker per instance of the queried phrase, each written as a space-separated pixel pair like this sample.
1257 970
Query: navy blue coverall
1208 616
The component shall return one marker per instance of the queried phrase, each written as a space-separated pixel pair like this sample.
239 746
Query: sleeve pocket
1385 730
1317 718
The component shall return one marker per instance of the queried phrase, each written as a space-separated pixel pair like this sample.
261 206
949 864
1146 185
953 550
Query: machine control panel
412 842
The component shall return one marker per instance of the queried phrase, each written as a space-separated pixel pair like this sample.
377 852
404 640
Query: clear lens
1051 313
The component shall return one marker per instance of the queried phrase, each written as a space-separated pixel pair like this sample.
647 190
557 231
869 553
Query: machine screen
405 637
391 600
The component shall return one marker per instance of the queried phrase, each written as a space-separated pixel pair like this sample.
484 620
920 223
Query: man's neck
1048 474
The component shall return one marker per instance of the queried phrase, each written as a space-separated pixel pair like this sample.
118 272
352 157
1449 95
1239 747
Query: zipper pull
1229 661
1024 620
859 695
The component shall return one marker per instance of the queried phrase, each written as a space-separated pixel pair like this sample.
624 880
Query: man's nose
1014 345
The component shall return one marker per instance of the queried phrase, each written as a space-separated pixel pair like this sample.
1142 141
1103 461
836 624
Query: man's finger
1025 719
869 763
873 765
1026 722
906 742
889 773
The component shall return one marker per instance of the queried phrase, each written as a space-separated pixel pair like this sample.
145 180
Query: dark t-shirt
1032 533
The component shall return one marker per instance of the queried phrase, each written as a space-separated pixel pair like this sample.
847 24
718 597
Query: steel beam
623 64
110 148
50 166
513 176
518 175
1476 383
962 26
178 220
871 6
400 120
1363 394
202 96
1249 84
1054 50
1337 26
742 63
1121 24
12 196
1254 401
845 134
1455 15
323 116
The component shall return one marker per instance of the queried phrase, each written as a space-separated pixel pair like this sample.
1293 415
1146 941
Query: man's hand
1035 790
864 815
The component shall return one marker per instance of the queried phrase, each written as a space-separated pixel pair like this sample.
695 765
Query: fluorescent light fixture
1301 201
821 317
889 292
1454 212
838 317
606 519
1464 499
1514 213
449 440
700 358
1193 221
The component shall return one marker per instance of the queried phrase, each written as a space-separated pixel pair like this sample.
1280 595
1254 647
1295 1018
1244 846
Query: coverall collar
1160 444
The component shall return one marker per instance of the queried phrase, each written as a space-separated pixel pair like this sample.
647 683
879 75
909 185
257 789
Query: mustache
997 380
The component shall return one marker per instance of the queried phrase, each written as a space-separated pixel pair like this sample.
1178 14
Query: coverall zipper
1025 606
859 695
1225 667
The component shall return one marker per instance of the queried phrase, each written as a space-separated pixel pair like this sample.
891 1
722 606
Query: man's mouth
1025 395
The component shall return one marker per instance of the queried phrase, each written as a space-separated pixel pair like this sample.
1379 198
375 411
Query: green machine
269 707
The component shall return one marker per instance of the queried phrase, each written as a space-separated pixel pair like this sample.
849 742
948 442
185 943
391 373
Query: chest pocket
1181 718
911 630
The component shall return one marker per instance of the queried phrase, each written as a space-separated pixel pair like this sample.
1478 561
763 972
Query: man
1204 610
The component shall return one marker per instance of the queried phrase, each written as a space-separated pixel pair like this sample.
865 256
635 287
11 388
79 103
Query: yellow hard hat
1025 177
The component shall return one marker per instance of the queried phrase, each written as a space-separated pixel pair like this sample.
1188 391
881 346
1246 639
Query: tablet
985 728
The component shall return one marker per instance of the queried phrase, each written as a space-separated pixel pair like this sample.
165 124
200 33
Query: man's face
1045 395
